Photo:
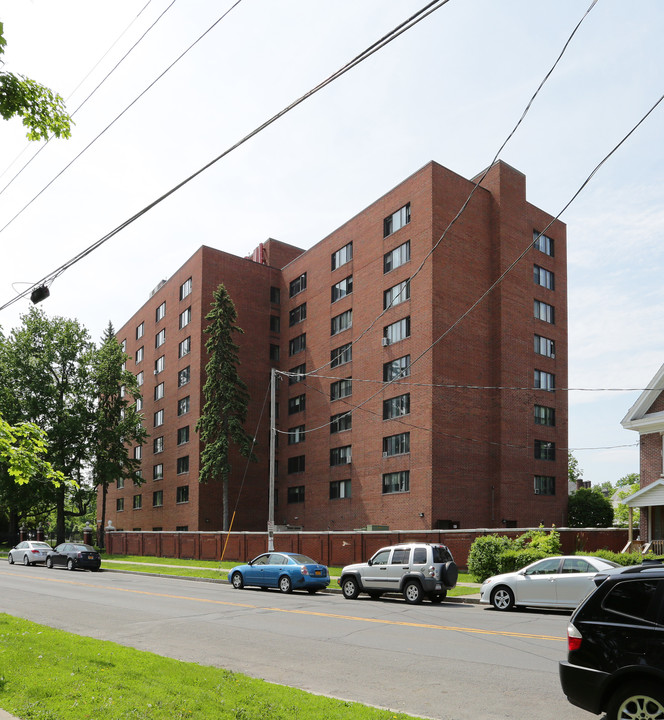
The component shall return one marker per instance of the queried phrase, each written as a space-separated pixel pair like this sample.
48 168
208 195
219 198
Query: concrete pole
273 432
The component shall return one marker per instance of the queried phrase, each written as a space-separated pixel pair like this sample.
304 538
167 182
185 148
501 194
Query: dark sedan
74 555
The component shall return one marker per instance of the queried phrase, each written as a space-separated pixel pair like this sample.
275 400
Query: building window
139 355
160 338
183 406
396 407
184 348
158 418
275 295
545 450
543 277
139 378
138 502
297 374
138 452
185 528
185 289
396 368
397 331
158 498
545 485
182 495
396 482
341 355
159 391
543 243
298 285
544 311
184 376
120 483
341 455
183 465
123 389
158 472
297 315
339 489
274 352
396 220
185 318
159 365
397 257
396 294
139 404
119 504
296 435
296 464
544 380
295 494
161 312
396 444
183 435
340 422
275 323
297 344
158 445
341 322
341 389
545 415
342 288
140 329
341 257
296 404
544 346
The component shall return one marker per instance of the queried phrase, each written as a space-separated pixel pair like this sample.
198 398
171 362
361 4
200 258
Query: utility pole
273 434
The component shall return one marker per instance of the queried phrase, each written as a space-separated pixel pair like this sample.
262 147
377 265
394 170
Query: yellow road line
312 613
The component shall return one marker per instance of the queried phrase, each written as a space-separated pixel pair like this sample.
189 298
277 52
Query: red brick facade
465 445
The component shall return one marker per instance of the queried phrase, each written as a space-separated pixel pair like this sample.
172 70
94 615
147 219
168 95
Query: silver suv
417 570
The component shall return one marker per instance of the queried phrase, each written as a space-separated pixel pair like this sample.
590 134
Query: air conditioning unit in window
538 491
386 342
385 454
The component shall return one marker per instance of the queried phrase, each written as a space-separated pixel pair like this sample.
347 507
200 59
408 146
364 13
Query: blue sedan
284 570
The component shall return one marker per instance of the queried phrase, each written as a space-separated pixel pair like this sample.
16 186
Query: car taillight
35 551
574 638
432 571
79 555
304 570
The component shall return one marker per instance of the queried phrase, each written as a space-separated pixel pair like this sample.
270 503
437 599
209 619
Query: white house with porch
646 417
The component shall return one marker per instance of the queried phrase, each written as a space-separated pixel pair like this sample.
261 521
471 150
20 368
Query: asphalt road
449 662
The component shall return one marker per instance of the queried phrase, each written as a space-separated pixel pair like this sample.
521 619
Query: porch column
630 534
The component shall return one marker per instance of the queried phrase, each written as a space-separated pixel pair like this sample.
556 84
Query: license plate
317 572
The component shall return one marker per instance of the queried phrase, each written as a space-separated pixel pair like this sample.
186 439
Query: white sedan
29 552
555 582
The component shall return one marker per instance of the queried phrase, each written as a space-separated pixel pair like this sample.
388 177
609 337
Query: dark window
158 472
396 295
295 494
184 348
397 257
183 465
297 315
396 368
544 346
342 288
158 445
545 485
544 380
341 389
341 257
297 344
545 450
275 295
543 277
545 415
399 330
297 374
396 407
185 318
296 464
543 243
298 285
396 482
341 455
396 220
183 406
274 352
341 322
340 422
339 489
545 312
184 376
138 502
341 355
632 598
396 444
183 435
275 323
296 404
296 435
185 289
157 498
182 496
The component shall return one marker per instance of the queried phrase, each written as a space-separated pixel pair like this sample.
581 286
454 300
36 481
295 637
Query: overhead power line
368 52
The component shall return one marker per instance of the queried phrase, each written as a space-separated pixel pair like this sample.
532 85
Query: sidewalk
4 715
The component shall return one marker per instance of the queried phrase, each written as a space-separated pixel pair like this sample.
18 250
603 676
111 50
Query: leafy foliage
42 110
574 472
484 555
626 486
589 508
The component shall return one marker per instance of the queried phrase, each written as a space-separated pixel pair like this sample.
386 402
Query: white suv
417 570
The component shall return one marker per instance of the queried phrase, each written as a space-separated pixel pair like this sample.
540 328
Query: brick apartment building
401 406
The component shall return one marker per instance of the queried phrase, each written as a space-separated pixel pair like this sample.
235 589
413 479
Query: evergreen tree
589 508
226 397
118 425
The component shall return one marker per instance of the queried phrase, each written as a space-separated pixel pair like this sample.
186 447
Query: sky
449 89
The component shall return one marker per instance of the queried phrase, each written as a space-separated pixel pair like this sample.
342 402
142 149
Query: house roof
638 418
648 496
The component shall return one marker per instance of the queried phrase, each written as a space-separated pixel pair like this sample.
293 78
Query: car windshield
303 560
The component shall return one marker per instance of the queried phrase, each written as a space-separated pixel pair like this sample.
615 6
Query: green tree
118 425
626 486
226 397
574 472
48 371
589 508
42 110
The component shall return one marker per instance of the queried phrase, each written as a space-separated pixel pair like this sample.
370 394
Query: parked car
555 582
615 640
284 570
28 552
417 570
74 555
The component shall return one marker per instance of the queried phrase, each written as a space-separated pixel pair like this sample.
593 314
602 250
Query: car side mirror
369 561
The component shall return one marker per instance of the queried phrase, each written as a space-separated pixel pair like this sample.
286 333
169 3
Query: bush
633 558
540 540
483 559
512 560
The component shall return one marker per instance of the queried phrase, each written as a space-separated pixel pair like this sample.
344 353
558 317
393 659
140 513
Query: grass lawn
48 674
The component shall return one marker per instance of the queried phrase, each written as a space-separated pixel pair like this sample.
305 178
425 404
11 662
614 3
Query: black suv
615 661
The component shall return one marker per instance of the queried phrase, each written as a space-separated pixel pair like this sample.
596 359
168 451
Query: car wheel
637 701
285 584
25 560
49 563
502 598
350 589
437 597
10 558
70 564
238 582
412 591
